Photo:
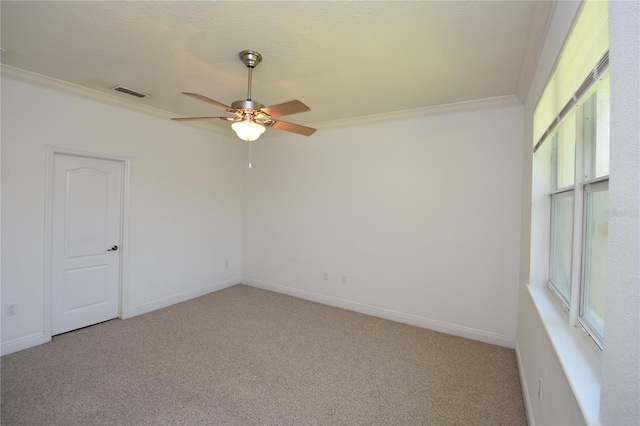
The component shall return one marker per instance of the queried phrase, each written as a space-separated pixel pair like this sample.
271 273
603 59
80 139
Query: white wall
422 217
621 357
536 355
538 360
616 385
185 201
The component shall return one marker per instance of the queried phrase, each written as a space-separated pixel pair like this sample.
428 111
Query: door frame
123 276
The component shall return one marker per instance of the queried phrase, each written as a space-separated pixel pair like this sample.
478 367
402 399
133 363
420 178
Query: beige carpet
249 356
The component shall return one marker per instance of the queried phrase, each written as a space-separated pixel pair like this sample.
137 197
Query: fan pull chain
249 154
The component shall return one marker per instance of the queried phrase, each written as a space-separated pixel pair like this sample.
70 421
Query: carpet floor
248 356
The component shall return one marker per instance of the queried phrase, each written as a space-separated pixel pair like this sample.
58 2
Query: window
595 256
579 209
572 120
561 244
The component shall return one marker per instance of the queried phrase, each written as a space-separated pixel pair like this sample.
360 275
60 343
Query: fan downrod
251 59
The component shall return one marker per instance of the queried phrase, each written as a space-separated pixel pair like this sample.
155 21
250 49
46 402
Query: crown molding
478 104
29 77
84 92
542 14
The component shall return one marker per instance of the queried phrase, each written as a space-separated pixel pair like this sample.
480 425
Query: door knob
114 248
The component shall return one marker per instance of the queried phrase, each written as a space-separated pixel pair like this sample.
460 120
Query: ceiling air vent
129 91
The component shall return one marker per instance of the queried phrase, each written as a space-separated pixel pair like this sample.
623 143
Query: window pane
596 130
595 258
565 152
585 45
561 242
601 157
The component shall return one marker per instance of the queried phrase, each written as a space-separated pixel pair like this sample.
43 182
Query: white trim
526 396
478 104
594 180
578 356
124 242
29 77
181 297
48 238
578 220
53 83
542 14
585 238
23 343
49 82
48 229
442 327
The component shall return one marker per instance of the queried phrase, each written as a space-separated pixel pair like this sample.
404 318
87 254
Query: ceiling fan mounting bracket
251 58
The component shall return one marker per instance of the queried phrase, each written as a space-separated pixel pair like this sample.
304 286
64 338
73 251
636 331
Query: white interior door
87 203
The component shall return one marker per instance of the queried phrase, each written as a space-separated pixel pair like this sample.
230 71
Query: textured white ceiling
343 59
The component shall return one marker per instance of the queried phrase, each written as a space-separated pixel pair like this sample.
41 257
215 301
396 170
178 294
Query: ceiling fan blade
210 101
203 118
294 128
287 108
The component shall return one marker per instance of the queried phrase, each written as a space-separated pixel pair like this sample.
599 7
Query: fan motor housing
247 104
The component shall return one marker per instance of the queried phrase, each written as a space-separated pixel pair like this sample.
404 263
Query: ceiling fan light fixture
250 118
248 130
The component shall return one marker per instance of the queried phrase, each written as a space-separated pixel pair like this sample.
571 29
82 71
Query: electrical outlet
12 309
325 276
540 389
344 279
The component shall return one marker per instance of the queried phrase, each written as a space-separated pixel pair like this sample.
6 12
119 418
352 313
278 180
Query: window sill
578 355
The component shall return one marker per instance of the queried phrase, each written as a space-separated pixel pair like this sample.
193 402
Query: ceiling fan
250 118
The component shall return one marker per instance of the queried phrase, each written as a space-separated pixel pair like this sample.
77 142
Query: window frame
584 165
594 185
554 196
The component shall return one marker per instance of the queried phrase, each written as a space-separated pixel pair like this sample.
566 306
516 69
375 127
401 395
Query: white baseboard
182 297
443 327
24 343
40 338
525 389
